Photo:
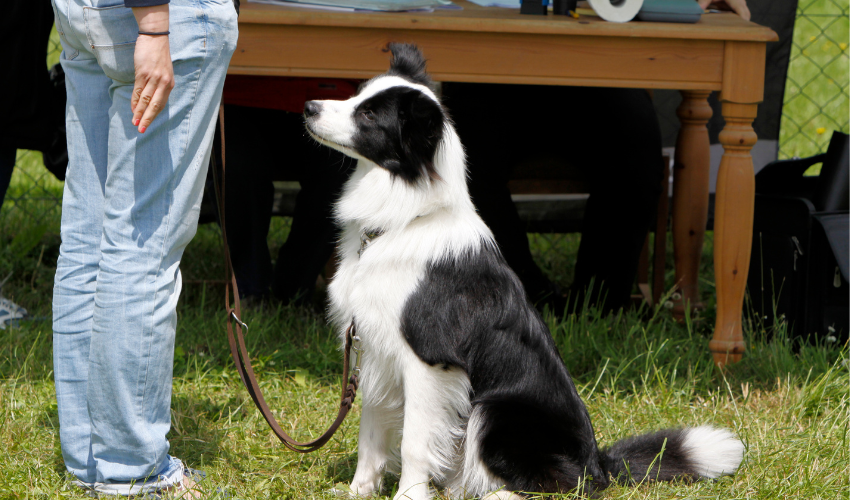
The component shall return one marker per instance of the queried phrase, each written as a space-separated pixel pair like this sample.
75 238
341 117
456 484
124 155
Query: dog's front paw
419 491
361 489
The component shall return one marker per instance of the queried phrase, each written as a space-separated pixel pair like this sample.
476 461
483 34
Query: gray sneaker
176 482
10 313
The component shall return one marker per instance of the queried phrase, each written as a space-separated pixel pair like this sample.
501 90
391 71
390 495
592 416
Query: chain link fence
817 89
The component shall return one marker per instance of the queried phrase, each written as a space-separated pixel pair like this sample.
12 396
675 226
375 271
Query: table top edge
726 28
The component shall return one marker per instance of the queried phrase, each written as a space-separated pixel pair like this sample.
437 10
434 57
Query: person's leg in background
322 172
7 164
620 151
131 205
260 144
495 136
255 147
612 134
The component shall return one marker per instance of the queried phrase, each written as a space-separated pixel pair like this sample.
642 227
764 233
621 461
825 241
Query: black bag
801 245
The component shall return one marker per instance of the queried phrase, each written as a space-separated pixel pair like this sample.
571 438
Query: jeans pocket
69 52
56 22
112 33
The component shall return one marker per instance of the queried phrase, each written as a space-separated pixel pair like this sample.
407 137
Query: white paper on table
378 5
304 5
508 4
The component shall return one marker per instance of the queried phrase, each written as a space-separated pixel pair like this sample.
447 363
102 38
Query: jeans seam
57 21
164 244
76 51
203 58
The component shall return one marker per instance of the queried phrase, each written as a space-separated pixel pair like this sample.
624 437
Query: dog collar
366 237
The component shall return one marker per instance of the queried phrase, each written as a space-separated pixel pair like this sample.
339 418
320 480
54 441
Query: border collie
461 381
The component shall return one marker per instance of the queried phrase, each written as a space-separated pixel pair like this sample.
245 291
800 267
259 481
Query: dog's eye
368 115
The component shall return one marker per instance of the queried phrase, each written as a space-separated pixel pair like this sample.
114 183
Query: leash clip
236 318
356 345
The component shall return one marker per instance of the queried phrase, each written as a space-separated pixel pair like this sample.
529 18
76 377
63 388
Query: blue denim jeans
130 207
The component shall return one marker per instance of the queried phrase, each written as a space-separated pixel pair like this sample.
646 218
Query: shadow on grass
196 435
342 470
620 352
637 348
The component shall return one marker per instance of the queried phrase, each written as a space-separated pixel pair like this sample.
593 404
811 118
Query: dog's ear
422 124
408 63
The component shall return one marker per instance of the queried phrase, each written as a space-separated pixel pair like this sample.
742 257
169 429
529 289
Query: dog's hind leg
373 450
436 401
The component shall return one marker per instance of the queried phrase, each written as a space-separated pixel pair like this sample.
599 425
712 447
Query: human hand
738 6
154 72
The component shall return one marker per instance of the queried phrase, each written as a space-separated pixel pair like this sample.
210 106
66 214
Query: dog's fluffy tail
698 452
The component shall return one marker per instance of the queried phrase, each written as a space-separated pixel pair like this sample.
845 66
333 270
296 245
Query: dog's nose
312 108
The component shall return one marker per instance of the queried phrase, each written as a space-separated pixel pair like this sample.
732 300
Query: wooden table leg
743 86
690 195
733 229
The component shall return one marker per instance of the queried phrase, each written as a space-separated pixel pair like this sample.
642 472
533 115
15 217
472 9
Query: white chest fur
373 286
419 225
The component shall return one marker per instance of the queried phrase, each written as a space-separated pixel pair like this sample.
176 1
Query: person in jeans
144 82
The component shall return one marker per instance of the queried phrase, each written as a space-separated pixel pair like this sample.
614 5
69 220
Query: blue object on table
670 11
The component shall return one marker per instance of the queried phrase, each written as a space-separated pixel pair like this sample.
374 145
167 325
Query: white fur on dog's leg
429 414
502 495
415 450
372 452
417 491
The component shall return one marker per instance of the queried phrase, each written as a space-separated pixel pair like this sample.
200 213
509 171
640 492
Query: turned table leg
690 195
743 86
733 230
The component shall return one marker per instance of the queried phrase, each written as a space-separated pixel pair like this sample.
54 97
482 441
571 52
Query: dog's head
394 121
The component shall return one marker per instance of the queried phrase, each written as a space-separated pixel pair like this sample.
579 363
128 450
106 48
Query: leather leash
242 360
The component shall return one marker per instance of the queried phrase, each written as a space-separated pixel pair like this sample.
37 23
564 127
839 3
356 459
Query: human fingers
138 87
142 97
157 102
737 6
154 71
740 8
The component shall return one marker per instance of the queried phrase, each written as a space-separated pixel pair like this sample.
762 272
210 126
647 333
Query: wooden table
721 52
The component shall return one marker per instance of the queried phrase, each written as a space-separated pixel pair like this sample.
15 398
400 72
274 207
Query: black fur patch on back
408 63
399 129
472 313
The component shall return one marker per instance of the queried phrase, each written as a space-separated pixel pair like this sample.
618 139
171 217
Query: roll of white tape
616 11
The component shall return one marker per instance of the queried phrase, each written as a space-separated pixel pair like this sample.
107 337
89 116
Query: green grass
787 401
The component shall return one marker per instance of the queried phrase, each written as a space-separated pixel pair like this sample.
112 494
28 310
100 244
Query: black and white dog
461 381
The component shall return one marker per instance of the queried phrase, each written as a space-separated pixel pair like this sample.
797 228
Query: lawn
638 371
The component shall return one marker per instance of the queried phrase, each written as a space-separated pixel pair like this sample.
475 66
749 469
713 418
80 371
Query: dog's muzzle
312 108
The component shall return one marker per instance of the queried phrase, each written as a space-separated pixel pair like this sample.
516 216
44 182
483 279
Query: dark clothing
25 108
262 145
7 164
34 110
144 3
612 135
